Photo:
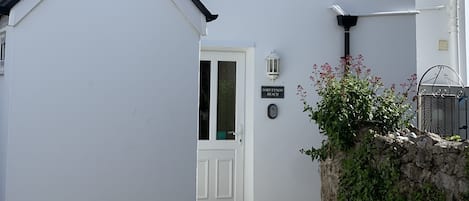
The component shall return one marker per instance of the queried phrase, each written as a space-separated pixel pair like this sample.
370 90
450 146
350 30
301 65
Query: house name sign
272 91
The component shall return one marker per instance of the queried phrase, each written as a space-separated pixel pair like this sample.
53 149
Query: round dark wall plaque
272 111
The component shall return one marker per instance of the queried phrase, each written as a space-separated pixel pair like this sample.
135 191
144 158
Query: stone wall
426 158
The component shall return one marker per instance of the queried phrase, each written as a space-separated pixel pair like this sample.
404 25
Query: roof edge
208 15
21 10
8 5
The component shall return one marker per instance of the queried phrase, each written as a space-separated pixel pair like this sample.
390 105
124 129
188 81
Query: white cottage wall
103 103
3 132
4 93
432 26
303 33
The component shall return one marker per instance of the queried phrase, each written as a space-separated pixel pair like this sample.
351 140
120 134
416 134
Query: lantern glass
275 66
270 65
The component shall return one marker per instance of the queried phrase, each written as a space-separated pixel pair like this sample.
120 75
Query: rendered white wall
103 103
3 133
304 33
432 26
4 92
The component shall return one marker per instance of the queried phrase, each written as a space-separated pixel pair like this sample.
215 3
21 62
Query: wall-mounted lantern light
273 65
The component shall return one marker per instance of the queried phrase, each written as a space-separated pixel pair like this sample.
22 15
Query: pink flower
358 70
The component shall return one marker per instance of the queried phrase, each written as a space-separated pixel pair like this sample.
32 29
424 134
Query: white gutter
336 8
340 11
432 8
403 12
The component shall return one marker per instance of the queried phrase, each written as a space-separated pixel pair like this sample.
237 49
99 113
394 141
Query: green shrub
353 107
427 192
352 101
364 179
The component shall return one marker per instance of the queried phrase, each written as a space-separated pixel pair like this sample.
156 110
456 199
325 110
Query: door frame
215 146
248 48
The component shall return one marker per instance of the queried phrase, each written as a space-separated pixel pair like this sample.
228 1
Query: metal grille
442 103
438 114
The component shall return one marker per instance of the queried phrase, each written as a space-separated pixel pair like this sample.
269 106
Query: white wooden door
220 152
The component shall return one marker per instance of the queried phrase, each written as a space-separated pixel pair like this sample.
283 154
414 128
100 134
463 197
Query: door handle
231 133
239 133
234 133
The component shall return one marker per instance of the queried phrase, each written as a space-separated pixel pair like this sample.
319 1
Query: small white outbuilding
98 99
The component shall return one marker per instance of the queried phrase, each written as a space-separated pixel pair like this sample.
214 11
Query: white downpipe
453 23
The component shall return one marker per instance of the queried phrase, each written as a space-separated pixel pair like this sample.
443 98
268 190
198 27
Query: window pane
204 100
226 100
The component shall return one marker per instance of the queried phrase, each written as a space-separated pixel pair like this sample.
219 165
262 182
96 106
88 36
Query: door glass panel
226 100
204 100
